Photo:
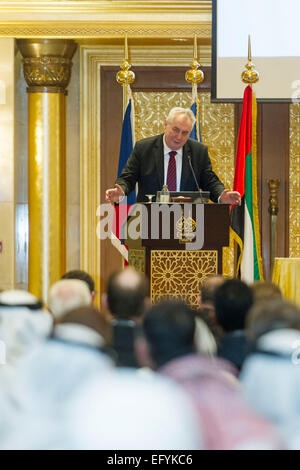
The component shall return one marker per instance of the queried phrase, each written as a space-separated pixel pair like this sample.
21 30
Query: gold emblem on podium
186 228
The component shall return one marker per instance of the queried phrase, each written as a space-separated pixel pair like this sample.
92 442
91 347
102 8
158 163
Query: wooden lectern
163 242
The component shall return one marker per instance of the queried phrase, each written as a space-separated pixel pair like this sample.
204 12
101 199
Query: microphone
192 170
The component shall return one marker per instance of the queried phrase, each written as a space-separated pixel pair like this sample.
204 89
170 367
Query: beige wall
73 165
7 186
21 174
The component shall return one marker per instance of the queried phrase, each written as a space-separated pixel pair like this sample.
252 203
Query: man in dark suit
149 164
127 297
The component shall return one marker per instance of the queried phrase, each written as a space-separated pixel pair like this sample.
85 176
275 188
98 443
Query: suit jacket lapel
185 171
159 159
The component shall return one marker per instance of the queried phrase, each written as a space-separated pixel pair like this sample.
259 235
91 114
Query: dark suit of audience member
270 375
233 299
206 310
225 419
125 298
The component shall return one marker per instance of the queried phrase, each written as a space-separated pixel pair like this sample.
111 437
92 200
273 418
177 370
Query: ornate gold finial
125 76
250 75
193 75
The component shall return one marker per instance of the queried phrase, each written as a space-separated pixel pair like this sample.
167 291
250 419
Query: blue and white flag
196 131
127 141
126 147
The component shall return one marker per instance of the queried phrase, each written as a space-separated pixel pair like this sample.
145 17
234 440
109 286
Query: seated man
126 298
271 373
265 290
23 323
66 295
206 316
49 376
82 276
225 419
233 300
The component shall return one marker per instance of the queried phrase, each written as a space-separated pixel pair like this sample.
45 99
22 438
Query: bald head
126 293
129 278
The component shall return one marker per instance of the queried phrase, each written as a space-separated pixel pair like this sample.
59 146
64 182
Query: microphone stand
194 176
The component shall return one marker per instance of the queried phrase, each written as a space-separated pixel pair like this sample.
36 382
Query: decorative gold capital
273 199
47 64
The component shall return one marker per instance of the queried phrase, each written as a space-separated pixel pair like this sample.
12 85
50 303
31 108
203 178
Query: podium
177 246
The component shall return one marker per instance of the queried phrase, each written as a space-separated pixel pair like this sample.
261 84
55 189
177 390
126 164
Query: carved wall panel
294 182
136 259
179 274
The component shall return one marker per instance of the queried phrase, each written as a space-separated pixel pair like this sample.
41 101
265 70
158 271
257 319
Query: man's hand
114 194
230 197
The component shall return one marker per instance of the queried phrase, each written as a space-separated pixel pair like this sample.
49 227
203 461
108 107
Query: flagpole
195 76
244 219
125 76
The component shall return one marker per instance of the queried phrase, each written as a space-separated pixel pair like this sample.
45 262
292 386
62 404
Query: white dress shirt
178 159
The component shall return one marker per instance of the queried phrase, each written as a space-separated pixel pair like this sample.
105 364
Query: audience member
207 328
208 289
60 389
129 411
233 300
265 290
67 295
204 338
33 410
82 276
127 294
126 298
271 315
23 323
86 325
271 374
225 419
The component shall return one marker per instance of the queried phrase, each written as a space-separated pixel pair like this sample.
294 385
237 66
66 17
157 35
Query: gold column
47 70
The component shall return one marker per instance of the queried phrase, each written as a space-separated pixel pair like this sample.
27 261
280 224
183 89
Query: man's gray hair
67 295
187 112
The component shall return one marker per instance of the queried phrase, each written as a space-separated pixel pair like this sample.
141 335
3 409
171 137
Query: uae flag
196 131
244 219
